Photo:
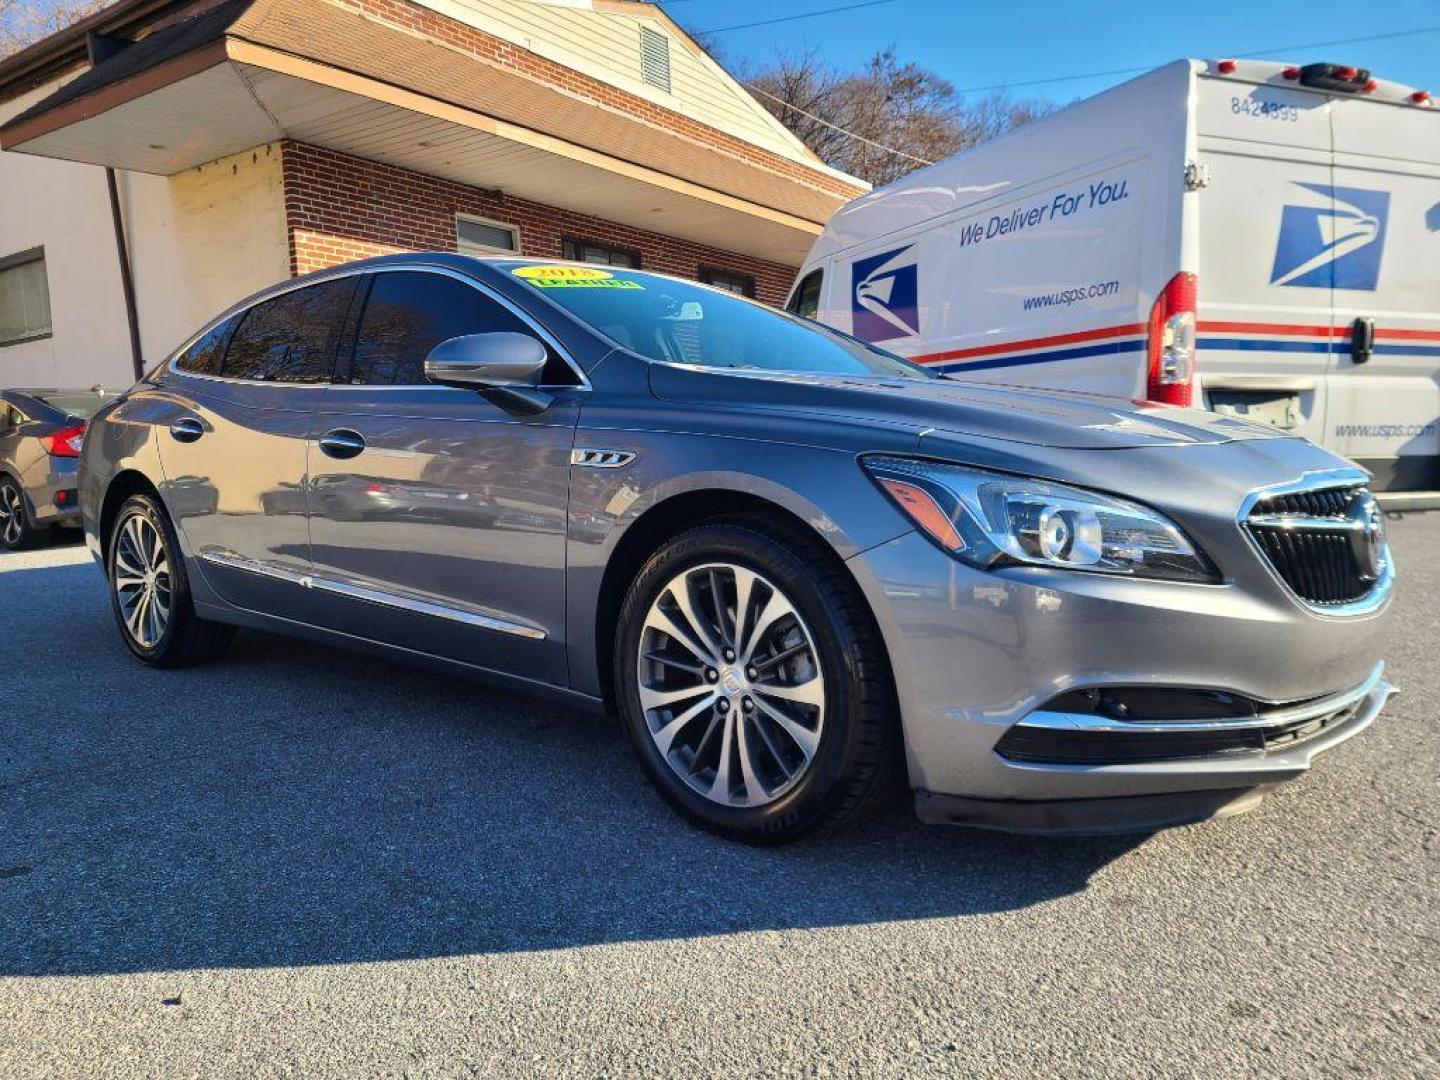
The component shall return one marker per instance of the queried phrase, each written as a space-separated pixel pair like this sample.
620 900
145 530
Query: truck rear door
1264 318
1384 407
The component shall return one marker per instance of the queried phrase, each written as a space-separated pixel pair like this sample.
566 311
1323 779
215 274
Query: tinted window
82 405
292 338
680 323
805 301
205 356
408 314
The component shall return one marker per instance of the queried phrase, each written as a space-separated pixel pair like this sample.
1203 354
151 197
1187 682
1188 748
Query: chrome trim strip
1319 480
351 271
355 591
1290 714
601 459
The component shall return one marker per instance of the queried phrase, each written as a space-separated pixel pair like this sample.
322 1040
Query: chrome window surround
1318 481
344 272
354 590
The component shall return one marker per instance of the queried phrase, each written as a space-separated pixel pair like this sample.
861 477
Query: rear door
233 442
1385 407
1264 309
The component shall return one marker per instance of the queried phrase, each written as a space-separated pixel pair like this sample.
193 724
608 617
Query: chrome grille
1326 543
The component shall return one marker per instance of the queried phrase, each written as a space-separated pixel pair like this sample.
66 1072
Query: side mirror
505 367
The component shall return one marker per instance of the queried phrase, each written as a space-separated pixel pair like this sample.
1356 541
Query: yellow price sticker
572 277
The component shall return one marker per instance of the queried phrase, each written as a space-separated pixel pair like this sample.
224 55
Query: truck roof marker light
1370 87
1291 73
1225 67
1420 97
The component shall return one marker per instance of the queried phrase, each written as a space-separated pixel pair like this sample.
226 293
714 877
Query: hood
1033 417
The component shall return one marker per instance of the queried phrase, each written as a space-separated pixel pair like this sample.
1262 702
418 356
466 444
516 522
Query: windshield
79 404
680 323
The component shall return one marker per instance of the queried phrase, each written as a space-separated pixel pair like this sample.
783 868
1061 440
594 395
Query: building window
725 279
655 58
481 236
592 251
24 297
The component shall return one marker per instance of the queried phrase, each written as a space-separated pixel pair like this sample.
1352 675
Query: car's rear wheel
753 684
16 532
150 593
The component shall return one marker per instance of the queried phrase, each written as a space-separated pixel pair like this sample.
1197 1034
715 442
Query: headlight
990 519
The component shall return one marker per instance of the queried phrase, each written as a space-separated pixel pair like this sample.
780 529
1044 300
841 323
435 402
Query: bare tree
886 119
23 22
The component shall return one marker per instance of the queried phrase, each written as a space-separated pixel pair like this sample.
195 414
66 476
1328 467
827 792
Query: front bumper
976 653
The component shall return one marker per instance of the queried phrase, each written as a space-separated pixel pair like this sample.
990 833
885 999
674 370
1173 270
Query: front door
437 519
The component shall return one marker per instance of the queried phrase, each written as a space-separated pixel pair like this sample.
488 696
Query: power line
1238 56
837 127
793 18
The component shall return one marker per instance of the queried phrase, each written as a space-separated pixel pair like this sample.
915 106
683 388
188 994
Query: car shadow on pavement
296 805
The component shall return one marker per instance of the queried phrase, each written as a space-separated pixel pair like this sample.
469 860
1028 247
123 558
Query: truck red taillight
64 443
1171 343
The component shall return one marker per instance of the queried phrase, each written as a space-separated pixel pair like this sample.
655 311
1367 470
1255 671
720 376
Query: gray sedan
40 436
805 573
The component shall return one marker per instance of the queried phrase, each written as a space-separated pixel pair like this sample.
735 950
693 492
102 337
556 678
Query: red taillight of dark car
65 443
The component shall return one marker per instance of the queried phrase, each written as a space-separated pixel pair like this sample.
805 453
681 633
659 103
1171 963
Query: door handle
1362 339
186 429
342 443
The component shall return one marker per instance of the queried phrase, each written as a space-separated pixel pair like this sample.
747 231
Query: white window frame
464 248
14 262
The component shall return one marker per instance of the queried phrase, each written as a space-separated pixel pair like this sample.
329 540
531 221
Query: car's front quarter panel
807 467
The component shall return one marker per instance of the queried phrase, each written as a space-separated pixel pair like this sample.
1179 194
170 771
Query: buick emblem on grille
1367 535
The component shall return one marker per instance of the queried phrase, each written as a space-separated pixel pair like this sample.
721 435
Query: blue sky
983 44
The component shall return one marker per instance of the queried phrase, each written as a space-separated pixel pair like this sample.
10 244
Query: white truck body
1044 257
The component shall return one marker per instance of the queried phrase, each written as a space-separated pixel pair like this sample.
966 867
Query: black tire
858 767
24 534
186 638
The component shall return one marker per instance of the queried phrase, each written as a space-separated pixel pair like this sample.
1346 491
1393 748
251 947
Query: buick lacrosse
804 573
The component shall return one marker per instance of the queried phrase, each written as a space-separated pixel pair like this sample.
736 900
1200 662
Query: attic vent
655 58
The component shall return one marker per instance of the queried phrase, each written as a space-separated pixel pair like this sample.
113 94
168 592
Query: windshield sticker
572 277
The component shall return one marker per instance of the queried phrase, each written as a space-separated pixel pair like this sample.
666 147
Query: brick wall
340 208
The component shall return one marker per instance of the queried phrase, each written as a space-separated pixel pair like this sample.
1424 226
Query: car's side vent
655 58
601 459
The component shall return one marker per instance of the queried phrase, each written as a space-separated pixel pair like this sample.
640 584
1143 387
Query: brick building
164 158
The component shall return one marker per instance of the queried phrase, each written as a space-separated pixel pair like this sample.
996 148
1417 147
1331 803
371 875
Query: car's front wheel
150 592
753 684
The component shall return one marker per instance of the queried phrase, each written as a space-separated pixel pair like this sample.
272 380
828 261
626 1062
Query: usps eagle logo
1333 239
885 296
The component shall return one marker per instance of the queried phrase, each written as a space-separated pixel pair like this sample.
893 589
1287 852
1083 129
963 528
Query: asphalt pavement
302 862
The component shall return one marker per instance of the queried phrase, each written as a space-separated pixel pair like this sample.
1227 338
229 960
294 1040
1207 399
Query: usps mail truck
1245 236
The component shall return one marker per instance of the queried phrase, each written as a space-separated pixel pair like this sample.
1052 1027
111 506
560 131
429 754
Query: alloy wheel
12 515
141 579
731 685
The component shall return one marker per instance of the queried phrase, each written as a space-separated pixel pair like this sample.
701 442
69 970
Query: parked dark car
40 436
803 571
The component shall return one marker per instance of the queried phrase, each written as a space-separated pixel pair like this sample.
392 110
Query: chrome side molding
469 616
